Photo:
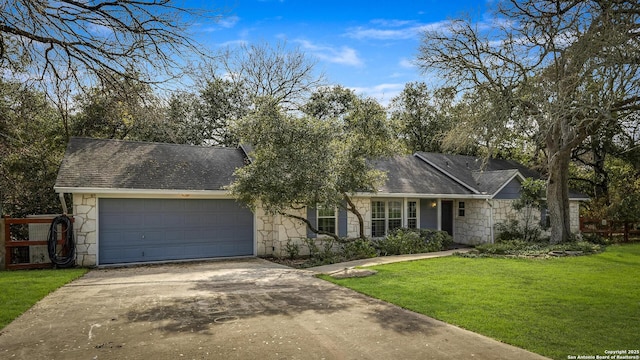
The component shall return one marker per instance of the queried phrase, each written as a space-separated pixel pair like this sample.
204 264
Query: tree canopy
562 68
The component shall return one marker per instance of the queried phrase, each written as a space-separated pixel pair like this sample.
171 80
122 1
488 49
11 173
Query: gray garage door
138 230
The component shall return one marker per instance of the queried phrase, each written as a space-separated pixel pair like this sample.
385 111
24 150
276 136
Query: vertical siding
428 214
510 191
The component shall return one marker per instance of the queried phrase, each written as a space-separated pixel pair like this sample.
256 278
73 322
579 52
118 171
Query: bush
525 248
412 241
353 249
513 230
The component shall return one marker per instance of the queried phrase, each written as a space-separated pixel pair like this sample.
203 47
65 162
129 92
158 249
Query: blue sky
364 45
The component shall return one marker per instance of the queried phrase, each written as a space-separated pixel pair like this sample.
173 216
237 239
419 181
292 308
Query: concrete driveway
241 309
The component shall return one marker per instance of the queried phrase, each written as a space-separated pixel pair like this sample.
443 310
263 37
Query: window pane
412 211
322 212
327 224
395 210
377 209
377 228
412 224
394 224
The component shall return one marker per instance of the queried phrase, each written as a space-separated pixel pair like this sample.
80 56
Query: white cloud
407 63
383 93
343 55
223 23
393 30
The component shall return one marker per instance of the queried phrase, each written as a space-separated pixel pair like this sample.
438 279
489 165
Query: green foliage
413 241
592 306
352 249
32 144
422 116
528 248
514 230
300 160
624 191
292 249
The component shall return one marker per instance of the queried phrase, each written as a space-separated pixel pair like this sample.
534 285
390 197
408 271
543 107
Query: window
460 208
386 216
327 219
412 214
378 218
395 215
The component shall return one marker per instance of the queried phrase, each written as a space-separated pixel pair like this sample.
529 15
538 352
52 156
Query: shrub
525 248
412 241
513 230
292 249
357 249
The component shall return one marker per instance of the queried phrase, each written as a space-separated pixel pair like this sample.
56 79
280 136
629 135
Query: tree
304 160
563 67
126 110
31 148
423 116
47 41
288 76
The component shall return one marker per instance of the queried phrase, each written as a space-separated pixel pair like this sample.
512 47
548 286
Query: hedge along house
146 202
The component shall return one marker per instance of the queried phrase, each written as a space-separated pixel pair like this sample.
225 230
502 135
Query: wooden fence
25 242
609 228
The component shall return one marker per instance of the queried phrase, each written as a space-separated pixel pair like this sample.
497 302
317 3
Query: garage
143 230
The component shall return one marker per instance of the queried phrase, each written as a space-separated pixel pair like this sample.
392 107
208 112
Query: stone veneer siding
475 227
85 219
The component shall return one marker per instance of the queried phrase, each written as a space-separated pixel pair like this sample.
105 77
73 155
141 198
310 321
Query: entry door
446 214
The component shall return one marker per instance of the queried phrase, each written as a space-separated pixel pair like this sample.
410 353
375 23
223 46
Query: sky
367 46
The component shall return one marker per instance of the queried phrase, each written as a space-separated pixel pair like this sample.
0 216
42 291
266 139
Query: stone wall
353 225
473 227
274 231
574 214
84 206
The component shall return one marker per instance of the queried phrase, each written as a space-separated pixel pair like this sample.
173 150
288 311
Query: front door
446 216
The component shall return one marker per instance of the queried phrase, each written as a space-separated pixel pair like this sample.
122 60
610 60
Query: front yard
556 307
21 289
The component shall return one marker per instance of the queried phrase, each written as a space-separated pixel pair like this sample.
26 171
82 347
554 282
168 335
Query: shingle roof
115 164
410 175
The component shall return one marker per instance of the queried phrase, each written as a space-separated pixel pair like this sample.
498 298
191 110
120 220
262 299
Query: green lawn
555 307
21 289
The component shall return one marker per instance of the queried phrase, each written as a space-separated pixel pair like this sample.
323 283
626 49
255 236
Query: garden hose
66 255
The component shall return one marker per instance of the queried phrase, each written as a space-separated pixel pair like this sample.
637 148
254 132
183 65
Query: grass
21 289
555 307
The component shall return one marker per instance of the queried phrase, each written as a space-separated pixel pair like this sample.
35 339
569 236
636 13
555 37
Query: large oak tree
562 67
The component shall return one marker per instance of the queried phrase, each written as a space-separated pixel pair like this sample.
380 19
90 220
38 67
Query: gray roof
410 175
116 164
432 173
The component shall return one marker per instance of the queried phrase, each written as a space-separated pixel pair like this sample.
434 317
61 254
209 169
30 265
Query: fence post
2 242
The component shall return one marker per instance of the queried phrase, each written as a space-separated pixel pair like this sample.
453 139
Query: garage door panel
138 230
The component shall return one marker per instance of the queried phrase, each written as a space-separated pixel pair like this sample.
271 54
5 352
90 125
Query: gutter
143 192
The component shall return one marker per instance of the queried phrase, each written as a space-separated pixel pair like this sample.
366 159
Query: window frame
389 206
319 217
461 208
416 217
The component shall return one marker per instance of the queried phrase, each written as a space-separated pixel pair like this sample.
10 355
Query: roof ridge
155 143
459 181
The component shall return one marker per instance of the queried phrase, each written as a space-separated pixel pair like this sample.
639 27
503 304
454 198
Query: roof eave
383 194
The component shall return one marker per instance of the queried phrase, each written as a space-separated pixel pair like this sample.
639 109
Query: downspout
491 221
63 202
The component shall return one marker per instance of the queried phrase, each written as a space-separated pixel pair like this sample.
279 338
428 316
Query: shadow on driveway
240 309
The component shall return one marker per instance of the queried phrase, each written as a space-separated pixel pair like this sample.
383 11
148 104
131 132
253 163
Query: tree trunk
352 207
558 195
310 225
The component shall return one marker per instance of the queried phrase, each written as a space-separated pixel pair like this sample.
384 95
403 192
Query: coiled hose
66 255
